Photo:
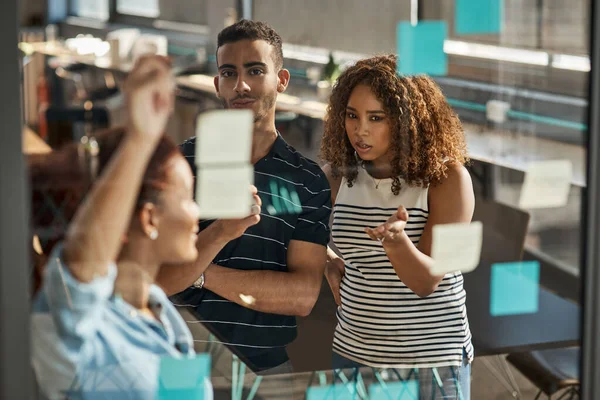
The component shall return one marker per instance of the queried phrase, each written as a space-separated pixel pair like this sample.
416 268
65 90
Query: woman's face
178 215
368 126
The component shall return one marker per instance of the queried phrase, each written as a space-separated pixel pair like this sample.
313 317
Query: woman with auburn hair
99 323
395 153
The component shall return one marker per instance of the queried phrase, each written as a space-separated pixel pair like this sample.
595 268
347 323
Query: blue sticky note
183 379
514 288
332 392
478 16
408 390
421 48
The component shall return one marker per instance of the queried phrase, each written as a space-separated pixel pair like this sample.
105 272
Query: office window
185 11
322 24
97 9
142 8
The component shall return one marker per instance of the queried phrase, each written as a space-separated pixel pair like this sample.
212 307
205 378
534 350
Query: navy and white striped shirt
381 322
285 180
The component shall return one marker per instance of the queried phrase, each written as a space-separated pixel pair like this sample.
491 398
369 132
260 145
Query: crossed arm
288 293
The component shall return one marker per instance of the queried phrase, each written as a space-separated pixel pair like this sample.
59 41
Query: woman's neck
133 282
379 170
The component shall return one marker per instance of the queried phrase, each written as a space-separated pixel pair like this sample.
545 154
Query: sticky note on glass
408 390
331 392
547 184
223 169
283 199
183 379
224 192
478 16
421 48
514 288
224 137
456 247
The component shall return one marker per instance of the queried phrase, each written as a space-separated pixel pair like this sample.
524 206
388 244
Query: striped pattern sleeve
188 149
313 223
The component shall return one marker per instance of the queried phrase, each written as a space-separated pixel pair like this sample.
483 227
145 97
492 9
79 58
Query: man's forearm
175 278
286 293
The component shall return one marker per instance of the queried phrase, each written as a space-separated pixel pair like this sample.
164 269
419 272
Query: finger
337 297
340 266
257 199
397 227
402 213
146 75
335 288
255 209
151 61
252 220
380 233
371 233
393 226
164 59
145 66
141 80
160 102
253 189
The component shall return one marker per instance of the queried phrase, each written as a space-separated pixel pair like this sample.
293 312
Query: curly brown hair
427 135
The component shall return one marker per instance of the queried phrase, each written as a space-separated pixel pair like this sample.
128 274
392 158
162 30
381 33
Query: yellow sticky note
224 192
547 184
224 137
456 247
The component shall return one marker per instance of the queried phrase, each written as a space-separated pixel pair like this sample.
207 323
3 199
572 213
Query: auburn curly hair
427 134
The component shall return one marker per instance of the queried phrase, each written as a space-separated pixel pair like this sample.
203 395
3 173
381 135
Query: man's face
248 77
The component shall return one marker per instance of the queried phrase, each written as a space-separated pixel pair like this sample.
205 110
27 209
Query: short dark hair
253 30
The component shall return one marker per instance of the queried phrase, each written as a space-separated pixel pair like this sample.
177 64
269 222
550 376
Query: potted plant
331 71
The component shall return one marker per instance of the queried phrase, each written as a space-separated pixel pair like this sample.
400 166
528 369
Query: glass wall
515 73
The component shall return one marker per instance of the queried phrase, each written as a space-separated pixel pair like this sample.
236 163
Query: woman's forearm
95 235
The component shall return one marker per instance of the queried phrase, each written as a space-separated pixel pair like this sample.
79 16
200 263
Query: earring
153 234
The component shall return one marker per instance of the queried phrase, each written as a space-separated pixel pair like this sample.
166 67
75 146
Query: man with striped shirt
261 274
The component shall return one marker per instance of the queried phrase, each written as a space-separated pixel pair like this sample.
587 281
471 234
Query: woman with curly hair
395 154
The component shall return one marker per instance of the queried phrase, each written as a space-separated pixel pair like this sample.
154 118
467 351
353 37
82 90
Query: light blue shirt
88 343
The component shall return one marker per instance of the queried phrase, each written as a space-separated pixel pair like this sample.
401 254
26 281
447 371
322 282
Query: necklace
376 182
369 169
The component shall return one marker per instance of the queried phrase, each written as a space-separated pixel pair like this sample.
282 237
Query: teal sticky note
183 379
478 16
421 48
332 392
283 200
408 390
514 288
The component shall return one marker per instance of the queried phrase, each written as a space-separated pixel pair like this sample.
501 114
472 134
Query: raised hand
391 230
149 91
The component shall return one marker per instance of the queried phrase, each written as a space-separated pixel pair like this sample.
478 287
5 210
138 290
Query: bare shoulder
457 178
454 194
334 183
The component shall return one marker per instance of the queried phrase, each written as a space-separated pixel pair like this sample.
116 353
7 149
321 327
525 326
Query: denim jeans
455 381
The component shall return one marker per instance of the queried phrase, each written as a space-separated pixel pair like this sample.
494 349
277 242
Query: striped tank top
381 322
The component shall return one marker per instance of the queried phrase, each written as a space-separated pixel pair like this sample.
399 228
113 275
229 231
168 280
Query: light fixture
573 63
490 52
